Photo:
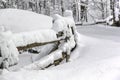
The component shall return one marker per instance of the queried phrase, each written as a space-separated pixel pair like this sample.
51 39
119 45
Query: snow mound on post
62 23
59 23
68 16
20 20
68 13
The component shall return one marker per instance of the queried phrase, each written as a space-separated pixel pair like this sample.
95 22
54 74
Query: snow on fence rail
35 45
23 24
27 40
11 43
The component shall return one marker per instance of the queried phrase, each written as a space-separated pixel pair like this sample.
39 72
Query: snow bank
97 60
21 20
40 36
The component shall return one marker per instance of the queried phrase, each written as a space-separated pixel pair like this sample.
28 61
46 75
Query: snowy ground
96 57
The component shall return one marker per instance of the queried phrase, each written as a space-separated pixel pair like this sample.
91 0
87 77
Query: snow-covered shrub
8 49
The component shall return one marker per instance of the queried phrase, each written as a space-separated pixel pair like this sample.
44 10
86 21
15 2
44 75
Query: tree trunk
62 7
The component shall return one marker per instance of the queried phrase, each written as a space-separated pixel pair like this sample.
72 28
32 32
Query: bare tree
115 8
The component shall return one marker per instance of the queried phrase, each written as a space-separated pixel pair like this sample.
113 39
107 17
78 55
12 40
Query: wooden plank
35 45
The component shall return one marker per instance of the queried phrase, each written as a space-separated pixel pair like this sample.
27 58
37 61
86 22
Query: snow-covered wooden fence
29 46
11 44
65 25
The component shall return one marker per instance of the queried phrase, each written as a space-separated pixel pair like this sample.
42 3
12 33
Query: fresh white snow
8 49
98 59
97 47
20 28
22 20
39 36
27 27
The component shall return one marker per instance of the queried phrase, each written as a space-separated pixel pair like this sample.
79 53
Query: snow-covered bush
8 50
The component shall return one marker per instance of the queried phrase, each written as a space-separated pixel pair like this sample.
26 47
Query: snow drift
40 36
98 59
27 27
21 20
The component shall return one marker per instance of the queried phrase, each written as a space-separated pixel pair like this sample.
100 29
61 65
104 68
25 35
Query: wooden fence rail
36 44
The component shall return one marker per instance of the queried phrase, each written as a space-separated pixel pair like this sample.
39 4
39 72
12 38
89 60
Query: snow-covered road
97 57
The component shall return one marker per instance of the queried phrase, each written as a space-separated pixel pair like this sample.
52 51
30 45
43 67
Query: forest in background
83 10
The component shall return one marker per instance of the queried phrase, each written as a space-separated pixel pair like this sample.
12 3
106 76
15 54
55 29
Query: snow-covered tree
115 7
3 4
